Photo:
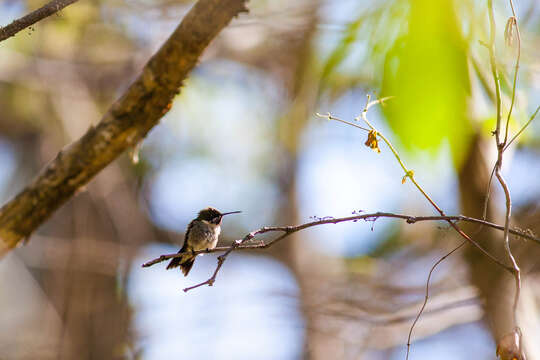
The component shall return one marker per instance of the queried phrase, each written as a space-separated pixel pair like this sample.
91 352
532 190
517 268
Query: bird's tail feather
175 262
185 263
186 266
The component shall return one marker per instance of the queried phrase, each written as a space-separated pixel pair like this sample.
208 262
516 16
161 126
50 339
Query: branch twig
426 297
510 26
494 71
522 128
30 19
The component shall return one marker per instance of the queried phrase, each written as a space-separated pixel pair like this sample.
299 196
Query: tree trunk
496 285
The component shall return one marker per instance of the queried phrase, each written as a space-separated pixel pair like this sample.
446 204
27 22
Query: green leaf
426 70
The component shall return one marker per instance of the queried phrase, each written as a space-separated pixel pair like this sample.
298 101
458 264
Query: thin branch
331 117
288 230
510 25
494 71
516 270
212 279
488 194
30 19
426 297
522 129
389 144
124 125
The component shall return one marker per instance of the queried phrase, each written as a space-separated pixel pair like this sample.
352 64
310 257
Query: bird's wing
186 247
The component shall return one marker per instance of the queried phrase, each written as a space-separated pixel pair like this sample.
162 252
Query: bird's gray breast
204 236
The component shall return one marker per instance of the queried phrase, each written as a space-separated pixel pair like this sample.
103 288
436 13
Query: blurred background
243 135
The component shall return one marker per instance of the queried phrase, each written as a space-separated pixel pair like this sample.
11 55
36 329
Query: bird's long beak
230 212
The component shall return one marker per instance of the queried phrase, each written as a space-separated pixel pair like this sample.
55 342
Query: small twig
389 144
331 117
522 129
212 279
516 270
494 71
513 22
33 17
426 297
488 194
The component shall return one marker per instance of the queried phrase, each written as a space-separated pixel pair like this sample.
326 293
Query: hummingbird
202 233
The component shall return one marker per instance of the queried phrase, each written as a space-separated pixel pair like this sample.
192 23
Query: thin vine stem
511 23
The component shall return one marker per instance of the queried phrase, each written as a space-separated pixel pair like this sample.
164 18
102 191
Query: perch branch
288 230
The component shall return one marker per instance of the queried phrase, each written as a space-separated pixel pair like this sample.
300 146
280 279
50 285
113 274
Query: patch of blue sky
8 166
251 312
520 174
457 342
10 11
344 10
148 26
179 190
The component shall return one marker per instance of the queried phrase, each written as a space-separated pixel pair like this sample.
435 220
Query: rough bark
125 123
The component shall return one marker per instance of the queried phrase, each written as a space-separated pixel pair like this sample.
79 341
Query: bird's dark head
213 215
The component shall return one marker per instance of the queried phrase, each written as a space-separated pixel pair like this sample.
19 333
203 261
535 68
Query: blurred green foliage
426 70
414 50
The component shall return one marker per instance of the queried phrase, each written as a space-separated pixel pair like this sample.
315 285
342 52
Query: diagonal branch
125 123
30 19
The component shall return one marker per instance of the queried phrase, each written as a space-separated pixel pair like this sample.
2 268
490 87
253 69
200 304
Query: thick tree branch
33 17
127 121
